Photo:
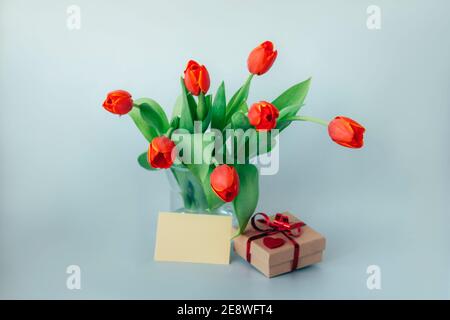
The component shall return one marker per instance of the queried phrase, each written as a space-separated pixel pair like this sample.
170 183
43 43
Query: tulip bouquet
222 170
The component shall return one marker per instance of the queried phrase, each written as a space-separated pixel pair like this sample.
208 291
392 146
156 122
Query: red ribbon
280 224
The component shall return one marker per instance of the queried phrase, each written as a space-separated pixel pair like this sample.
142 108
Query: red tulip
346 132
263 115
225 182
196 78
118 102
261 58
161 152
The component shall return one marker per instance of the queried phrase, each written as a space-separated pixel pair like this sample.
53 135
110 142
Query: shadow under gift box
276 261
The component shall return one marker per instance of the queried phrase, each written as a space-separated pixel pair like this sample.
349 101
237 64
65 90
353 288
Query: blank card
199 238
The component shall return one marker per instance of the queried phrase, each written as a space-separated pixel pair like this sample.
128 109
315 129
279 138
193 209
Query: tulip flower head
196 78
225 182
161 153
346 132
263 115
261 58
118 102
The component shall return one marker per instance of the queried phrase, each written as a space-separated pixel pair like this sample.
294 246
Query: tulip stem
214 162
201 107
169 132
309 119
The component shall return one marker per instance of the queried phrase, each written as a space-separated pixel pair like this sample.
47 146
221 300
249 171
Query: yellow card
200 238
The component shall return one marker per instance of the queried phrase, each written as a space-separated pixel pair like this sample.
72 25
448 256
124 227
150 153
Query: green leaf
243 107
192 106
142 160
209 101
247 199
240 121
219 109
286 113
294 96
267 144
187 118
289 111
200 171
147 131
155 106
154 115
262 139
238 98
191 145
175 123
176 112
206 121
283 125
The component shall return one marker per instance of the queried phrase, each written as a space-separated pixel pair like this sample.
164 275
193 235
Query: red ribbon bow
280 224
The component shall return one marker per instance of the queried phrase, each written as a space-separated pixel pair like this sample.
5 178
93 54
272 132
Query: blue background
71 191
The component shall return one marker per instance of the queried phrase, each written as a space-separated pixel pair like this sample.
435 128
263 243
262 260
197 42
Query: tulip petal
161 152
191 83
224 182
267 45
346 132
254 115
203 80
261 59
263 115
196 78
118 102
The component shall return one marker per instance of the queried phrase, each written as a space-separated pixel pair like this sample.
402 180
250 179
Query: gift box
279 244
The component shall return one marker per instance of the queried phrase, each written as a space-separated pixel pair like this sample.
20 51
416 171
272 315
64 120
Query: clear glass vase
187 195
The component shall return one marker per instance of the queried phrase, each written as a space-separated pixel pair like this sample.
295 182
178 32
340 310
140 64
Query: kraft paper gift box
274 256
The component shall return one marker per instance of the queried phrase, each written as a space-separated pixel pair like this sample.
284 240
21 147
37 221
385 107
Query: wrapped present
279 244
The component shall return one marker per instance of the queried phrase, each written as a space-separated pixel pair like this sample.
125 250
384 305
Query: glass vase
187 195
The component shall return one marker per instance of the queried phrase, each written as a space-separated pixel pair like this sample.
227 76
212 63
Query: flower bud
225 182
346 132
263 115
161 153
118 102
261 58
196 78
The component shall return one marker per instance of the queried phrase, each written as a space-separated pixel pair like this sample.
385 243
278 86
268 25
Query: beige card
200 238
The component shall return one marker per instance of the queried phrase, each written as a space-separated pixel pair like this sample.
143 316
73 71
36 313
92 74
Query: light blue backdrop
71 191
